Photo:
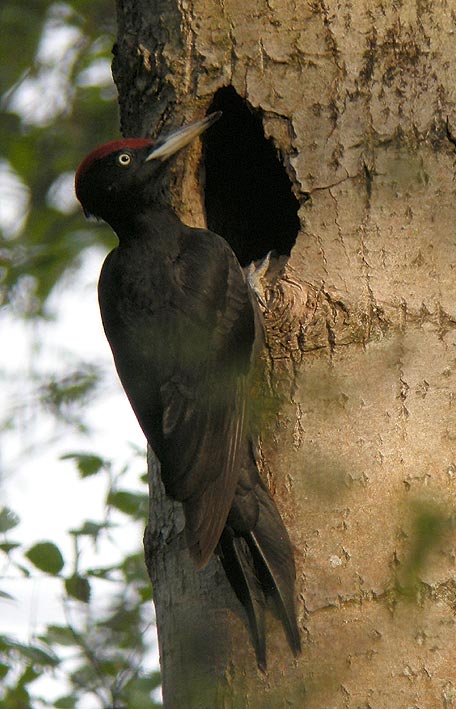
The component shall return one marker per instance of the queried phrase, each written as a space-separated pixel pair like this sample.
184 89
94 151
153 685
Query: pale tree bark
359 100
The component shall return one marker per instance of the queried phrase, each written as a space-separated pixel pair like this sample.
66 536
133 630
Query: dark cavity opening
248 195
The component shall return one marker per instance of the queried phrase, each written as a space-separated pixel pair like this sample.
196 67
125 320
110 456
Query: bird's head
119 176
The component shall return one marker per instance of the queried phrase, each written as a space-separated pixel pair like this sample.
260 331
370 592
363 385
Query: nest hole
248 194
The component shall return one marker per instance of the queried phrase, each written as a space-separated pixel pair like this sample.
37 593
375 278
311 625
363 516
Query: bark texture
360 100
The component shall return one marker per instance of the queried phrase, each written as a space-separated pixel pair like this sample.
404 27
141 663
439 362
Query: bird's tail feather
259 564
279 584
240 570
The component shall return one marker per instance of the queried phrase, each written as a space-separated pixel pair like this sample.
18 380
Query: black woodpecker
184 329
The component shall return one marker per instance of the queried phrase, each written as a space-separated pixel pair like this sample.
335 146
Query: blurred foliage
66 396
99 652
57 103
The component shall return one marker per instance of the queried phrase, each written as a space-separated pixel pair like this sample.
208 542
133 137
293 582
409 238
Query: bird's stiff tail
259 565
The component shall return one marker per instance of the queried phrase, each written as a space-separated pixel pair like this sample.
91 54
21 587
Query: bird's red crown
106 149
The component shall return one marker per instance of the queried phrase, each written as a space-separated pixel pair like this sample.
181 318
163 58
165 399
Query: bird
185 331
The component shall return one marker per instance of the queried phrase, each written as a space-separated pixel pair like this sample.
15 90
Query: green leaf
59 634
78 587
123 620
16 698
134 568
145 593
8 546
60 395
8 519
29 675
87 463
47 557
67 702
104 572
110 668
24 570
7 596
33 653
40 657
4 669
140 689
91 529
130 503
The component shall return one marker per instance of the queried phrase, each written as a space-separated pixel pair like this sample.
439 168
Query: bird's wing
203 456
204 402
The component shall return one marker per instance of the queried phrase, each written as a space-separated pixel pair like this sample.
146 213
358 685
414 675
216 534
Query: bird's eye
124 159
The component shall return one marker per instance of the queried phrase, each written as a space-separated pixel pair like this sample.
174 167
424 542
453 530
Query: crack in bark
357 599
329 186
339 228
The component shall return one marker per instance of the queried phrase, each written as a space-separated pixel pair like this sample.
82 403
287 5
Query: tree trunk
359 101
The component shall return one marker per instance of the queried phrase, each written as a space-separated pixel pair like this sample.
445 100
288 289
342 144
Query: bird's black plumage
184 330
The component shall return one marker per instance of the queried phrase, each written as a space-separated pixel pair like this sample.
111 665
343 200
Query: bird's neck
155 224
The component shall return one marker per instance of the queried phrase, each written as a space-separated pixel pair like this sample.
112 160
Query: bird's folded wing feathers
202 470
